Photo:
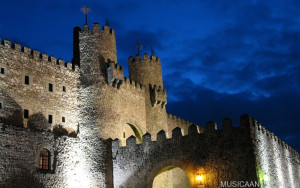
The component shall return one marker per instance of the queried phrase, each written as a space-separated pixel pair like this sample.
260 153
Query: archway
171 177
130 129
137 131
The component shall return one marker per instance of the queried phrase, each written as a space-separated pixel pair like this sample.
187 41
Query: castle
83 124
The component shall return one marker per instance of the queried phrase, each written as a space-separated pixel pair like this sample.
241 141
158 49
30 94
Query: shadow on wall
11 112
39 122
22 179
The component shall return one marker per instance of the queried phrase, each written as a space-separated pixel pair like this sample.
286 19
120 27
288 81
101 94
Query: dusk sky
219 58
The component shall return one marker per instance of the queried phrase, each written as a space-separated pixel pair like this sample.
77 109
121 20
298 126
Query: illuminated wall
173 177
222 155
278 164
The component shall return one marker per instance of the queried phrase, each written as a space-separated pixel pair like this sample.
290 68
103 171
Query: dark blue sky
220 58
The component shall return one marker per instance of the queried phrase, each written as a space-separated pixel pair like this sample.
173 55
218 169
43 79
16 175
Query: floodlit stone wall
96 103
175 121
71 161
24 84
223 155
120 106
277 163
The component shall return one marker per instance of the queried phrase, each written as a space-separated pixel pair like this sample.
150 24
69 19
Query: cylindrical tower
146 71
94 48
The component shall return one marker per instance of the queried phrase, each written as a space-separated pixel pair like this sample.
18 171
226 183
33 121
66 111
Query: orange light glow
199 178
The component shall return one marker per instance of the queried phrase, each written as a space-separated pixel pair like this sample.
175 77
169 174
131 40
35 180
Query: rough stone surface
70 159
100 104
35 97
226 155
274 158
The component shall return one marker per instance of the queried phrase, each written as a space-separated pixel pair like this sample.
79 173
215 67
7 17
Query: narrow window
123 134
26 113
44 159
63 119
2 70
64 88
50 118
50 87
26 80
1 106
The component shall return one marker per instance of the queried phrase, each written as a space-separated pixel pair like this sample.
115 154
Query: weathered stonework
75 111
36 97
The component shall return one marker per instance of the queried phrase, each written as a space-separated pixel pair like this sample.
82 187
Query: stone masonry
101 129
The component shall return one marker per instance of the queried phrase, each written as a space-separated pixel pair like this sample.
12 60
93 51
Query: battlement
96 29
127 82
210 130
145 59
158 95
258 128
194 132
179 122
36 55
132 83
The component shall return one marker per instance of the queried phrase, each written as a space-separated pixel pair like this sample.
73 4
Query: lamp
200 179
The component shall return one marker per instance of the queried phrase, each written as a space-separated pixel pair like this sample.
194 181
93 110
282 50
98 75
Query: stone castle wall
97 103
277 163
123 106
223 155
175 121
120 106
16 96
71 165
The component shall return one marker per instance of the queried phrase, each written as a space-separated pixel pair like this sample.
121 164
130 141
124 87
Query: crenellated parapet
146 59
210 130
175 121
96 29
94 44
259 132
44 86
146 70
161 137
158 96
178 120
193 132
128 84
42 58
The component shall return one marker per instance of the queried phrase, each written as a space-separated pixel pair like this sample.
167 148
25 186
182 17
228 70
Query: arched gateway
196 159
172 174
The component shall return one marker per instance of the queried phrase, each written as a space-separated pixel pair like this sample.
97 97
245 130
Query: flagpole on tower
85 10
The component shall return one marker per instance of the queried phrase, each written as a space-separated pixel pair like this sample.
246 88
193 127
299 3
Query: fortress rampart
38 84
275 159
72 113
175 121
226 154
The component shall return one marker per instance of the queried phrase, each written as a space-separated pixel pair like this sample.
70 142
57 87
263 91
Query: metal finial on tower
139 46
152 51
85 10
106 22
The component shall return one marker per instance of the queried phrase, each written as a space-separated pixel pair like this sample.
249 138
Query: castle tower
92 50
148 72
